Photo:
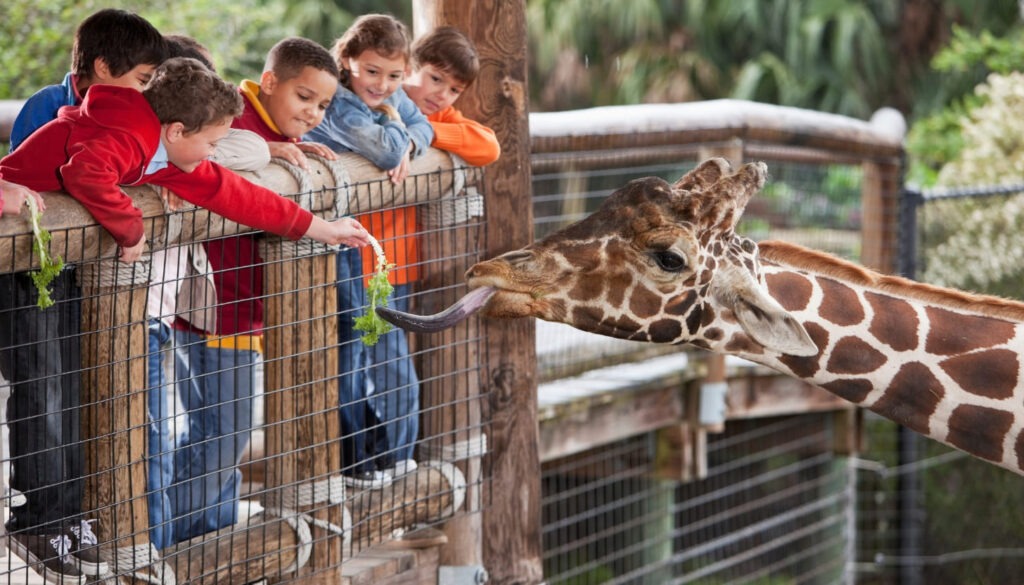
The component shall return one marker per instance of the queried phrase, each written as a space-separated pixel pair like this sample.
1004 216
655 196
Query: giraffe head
657 262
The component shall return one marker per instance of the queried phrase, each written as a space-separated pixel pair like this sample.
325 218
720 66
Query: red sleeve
91 175
225 193
469 139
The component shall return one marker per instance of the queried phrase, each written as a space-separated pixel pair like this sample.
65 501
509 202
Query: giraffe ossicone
661 262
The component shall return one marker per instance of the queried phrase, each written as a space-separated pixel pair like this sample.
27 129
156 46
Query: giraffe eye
669 261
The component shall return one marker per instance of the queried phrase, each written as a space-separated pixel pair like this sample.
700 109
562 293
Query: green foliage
39 34
377 292
49 266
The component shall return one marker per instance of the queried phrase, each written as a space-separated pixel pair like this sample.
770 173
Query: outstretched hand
15 195
346 231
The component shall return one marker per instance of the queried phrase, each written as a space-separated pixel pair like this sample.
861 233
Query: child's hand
317 148
133 253
15 196
350 232
343 231
290 152
399 173
174 203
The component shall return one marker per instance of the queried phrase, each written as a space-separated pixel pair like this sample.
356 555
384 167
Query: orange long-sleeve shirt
470 140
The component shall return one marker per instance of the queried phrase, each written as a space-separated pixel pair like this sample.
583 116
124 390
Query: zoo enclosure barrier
296 517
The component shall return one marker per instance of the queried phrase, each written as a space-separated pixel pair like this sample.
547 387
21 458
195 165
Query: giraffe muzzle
470 303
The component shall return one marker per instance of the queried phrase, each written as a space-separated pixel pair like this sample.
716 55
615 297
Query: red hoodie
92 149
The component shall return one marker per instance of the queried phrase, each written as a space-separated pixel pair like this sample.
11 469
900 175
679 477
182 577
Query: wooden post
880 204
713 386
510 524
301 396
114 417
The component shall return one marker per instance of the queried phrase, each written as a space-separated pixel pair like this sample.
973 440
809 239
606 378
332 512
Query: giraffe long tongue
470 303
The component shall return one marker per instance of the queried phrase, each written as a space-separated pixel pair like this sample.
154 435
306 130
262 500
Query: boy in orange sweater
445 64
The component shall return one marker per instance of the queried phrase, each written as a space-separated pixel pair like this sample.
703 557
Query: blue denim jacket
351 126
42 107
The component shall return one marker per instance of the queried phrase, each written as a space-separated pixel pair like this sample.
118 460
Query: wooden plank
756 396
624 414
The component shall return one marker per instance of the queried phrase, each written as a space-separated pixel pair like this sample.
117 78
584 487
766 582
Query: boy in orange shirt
445 63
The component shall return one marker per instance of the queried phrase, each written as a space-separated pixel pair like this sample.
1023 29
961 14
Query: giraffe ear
768 323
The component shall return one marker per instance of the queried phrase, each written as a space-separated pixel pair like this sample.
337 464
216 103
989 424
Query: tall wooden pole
114 409
511 522
301 397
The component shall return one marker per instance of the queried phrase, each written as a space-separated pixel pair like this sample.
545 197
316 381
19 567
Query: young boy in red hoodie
215 367
119 136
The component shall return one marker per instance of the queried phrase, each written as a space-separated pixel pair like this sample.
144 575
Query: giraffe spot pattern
840 303
713 333
664 330
741 342
644 303
854 356
680 305
954 333
693 321
855 389
979 430
991 373
894 323
807 366
792 291
911 398
588 287
707 315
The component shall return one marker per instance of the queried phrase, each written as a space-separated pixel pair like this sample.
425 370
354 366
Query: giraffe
662 263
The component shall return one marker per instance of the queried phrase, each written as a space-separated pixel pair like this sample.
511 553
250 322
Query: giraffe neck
943 363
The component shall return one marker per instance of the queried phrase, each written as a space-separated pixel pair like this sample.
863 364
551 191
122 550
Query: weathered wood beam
77 237
265 545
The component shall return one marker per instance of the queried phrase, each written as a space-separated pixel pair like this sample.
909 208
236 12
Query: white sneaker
13 498
403 467
368 480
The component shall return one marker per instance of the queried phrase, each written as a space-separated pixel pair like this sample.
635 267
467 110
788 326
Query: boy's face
375 77
297 105
433 89
186 151
136 78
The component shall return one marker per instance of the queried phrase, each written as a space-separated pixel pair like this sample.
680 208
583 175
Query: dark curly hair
184 90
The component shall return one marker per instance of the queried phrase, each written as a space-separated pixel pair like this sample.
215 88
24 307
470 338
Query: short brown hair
185 46
184 90
291 55
124 40
381 33
450 51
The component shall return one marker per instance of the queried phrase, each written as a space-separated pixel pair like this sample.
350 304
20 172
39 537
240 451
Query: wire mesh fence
210 415
775 507
929 514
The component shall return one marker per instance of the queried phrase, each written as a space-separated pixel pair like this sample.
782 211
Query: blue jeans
378 390
216 386
160 467
394 387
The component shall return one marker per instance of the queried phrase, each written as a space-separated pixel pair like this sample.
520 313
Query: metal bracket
462 575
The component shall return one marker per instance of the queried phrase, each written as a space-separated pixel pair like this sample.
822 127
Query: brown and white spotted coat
661 263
